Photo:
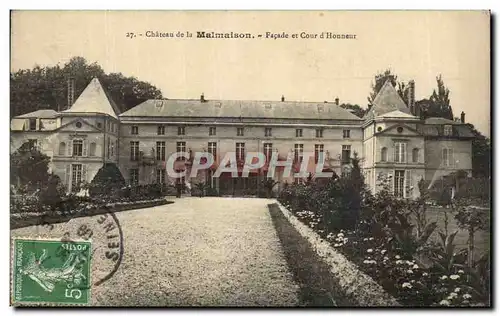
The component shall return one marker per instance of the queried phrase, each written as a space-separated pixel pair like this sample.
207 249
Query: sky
415 45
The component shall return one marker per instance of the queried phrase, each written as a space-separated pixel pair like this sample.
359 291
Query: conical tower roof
94 99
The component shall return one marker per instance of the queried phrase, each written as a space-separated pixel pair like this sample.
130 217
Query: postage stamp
51 271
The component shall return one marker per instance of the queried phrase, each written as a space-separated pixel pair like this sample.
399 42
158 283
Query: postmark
51 271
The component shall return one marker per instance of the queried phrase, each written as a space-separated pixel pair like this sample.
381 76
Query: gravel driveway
197 251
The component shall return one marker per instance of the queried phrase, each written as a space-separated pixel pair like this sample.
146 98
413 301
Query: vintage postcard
250 158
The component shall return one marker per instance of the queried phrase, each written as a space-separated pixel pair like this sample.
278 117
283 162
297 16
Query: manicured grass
317 286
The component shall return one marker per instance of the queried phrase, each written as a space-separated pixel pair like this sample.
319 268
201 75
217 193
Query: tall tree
440 101
29 167
481 154
46 87
380 79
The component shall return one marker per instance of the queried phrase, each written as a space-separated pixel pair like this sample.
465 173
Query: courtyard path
197 251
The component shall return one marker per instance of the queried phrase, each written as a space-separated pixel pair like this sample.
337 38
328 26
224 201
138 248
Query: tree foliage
354 109
46 87
29 167
379 82
439 105
481 154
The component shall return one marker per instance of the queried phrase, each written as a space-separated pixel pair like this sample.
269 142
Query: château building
392 139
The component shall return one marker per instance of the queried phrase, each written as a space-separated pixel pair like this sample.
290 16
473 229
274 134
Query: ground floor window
399 183
134 176
160 176
76 176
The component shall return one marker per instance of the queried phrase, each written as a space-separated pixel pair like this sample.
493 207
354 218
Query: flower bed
358 287
46 215
402 276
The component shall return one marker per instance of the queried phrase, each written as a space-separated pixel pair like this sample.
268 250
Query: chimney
71 91
462 117
202 97
337 101
282 98
411 96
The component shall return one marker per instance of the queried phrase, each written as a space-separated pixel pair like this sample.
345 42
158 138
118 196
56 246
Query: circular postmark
103 231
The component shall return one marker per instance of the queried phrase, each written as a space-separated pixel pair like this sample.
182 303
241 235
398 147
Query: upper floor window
92 149
134 151
298 132
318 152
78 147
448 130
181 148
212 131
447 157
32 125
268 131
212 149
383 154
298 152
160 151
268 150
62 149
400 152
181 130
134 130
240 151
319 133
239 131
161 130
346 153
347 133
414 155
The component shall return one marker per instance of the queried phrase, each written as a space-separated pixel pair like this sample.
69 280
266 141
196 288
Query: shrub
107 182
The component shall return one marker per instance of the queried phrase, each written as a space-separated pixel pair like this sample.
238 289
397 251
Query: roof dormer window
448 130
32 124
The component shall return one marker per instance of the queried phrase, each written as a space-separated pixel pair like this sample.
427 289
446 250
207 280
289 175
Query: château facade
392 139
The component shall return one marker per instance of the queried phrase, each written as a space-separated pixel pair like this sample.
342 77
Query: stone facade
389 140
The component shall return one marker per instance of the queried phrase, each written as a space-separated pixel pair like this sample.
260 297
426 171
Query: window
383 154
134 151
268 151
108 153
399 129
32 124
181 130
298 180
240 151
99 125
212 131
319 133
134 176
346 153
298 132
62 149
160 151
399 183
400 152
212 149
298 152
347 133
92 149
414 155
318 152
76 177
268 131
78 124
160 176
447 157
161 130
181 148
448 130
239 131
78 147
134 130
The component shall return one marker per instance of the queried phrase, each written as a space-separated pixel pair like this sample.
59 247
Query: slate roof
387 100
434 126
94 99
39 114
398 115
240 108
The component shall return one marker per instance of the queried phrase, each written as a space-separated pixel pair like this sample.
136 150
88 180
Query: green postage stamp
51 272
